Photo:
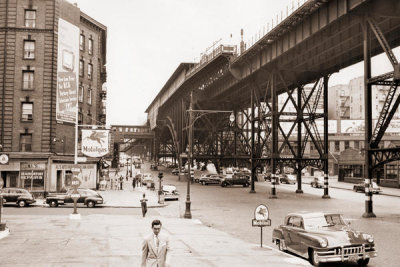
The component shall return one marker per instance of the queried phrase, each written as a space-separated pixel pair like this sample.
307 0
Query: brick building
41 43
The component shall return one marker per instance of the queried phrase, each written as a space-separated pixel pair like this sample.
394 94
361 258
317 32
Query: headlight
323 243
368 237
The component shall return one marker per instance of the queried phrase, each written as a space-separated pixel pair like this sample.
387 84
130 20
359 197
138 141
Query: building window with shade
89 96
90 46
80 93
90 71
29 49
27 112
25 142
81 68
82 42
30 18
28 78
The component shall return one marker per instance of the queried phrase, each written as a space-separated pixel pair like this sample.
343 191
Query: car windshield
323 221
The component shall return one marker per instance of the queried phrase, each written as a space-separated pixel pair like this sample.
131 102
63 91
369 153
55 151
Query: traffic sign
261 219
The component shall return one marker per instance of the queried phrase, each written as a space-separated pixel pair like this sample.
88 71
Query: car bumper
30 201
326 256
170 197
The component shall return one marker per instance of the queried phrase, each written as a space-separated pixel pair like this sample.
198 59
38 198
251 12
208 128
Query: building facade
52 69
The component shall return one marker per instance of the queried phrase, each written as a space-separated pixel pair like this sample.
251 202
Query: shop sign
32 175
33 166
95 143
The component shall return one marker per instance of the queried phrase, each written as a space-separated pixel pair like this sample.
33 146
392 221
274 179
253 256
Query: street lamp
199 114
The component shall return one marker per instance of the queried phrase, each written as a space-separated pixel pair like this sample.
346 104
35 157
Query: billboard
332 127
67 72
95 143
352 126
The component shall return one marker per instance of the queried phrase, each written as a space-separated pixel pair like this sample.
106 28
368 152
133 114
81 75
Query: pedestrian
155 247
143 203
121 179
133 183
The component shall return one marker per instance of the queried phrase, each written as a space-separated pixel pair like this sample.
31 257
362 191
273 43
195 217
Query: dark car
86 196
236 180
374 188
18 196
211 179
323 237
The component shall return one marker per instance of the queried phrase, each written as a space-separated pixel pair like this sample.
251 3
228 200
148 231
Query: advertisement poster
87 175
67 72
352 126
95 143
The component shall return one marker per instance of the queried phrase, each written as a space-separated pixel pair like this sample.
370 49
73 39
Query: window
82 42
357 144
30 18
27 111
90 71
25 143
29 49
346 144
27 80
89 118
80 93
89 96
80 116
81 68
337 146
90 47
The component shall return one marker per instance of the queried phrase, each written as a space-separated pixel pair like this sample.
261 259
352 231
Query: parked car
18 196
317 182
361 188
287 178
323 237
147 178
235 180
153 167
211 179
170 192
175 171
88 197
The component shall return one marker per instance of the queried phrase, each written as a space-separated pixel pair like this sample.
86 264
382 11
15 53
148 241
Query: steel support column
299 122
274 126
253 173
368 118
188 214
326 147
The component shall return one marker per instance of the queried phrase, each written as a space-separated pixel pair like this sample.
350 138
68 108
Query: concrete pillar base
299 191
2 226
252 191
326 196
273 196
188 214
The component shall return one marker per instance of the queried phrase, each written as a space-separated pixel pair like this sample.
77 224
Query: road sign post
261 219
75 185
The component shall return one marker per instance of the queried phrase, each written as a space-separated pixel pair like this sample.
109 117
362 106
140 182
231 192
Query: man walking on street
155 248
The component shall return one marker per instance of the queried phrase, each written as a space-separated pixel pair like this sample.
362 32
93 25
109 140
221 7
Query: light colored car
287 179
317 182
323 237
361 188
147 179
170 192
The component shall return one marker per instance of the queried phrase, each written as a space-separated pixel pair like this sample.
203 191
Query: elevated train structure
225 109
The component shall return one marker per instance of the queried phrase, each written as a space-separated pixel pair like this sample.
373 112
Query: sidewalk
334 183
115 240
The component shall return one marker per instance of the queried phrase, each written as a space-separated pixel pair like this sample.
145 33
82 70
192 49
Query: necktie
157 242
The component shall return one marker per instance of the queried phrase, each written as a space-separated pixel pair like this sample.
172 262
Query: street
231 209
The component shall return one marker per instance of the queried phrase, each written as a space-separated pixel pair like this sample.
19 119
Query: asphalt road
231 209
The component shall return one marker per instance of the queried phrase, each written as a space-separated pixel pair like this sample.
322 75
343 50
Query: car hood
338 235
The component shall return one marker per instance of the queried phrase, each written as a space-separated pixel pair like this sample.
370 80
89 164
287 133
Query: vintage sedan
323 237
361 188
170 192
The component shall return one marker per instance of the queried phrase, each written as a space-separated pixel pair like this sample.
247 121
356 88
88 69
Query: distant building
52 57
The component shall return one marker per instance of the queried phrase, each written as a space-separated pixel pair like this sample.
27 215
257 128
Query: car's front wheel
90 204
363 262
224 184
53 203
313 257
21 203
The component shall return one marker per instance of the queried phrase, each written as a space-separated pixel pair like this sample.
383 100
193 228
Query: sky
148 39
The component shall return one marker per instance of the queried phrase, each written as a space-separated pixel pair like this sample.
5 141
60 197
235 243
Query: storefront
60 179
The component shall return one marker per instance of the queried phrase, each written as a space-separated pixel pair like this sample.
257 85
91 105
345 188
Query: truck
88 197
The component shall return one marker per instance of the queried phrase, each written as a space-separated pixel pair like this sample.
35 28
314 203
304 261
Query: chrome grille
352 250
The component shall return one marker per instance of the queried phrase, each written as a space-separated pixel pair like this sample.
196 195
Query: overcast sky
148 39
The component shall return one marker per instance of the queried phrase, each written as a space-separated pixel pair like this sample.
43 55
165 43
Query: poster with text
67 72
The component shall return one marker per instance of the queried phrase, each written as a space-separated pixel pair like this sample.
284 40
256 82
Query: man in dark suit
155 248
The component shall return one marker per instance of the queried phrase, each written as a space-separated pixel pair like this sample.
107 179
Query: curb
4 233
107 206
